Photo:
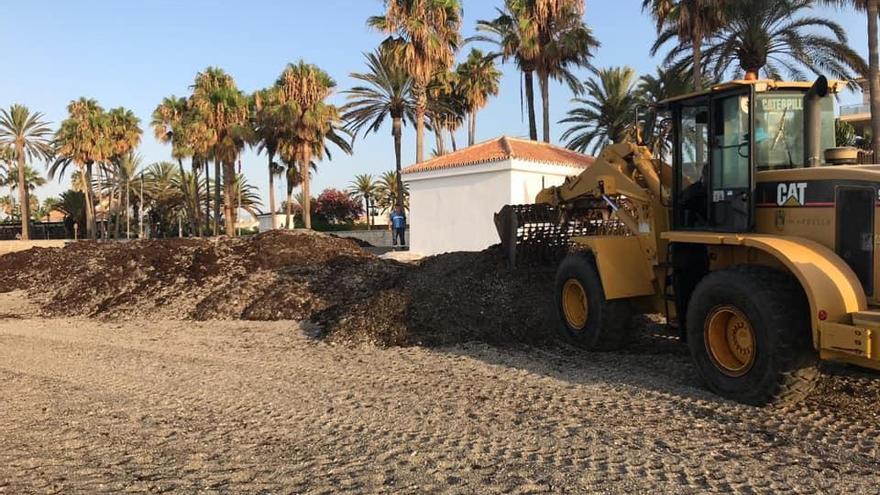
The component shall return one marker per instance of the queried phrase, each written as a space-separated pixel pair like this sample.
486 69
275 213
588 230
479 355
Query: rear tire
748 330
603 325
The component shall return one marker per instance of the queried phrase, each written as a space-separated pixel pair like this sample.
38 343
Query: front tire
587 320
748 330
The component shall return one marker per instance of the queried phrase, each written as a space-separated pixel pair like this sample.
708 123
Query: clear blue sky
133 53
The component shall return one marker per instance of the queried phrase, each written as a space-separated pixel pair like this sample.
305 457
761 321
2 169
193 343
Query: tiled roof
503 148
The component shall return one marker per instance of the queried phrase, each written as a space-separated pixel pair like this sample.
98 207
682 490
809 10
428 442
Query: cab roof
761 85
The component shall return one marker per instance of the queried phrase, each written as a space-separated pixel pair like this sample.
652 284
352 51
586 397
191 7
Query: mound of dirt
354 296
360 242
452 298
272 276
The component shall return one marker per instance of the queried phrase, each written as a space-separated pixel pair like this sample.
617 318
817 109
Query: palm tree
126 177
247 197
73 205
294 180
222 113
514 33
772 37
7 165
82 140
388 194
171 125
872 11
268 132
565 42
445 107
8 206
691 21
32 179
424 36
10 178
452 111
124 134
45 209
652 89
387 93
478 80
605 114
41 212
29 136
308 119
162 195
364 188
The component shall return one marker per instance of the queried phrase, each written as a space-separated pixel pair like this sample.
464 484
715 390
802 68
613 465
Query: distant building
454 197
246 221
859 115
53 216
265 221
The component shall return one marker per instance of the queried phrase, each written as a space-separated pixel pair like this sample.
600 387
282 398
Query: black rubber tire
785 368
609 323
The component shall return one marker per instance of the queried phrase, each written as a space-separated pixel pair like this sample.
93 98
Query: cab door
731 195
691 164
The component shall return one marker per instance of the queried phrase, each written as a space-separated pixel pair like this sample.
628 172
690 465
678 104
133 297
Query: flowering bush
335 206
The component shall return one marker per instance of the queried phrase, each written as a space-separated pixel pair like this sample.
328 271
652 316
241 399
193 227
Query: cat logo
790 194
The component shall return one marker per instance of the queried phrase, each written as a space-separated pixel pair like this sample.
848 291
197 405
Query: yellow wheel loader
743 223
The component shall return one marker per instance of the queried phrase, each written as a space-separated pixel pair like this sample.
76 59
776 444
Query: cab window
730 143
779 130
693 159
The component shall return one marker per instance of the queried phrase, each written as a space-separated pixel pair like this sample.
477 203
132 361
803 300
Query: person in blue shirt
398 227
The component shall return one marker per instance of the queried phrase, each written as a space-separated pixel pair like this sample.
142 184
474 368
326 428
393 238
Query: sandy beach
263 407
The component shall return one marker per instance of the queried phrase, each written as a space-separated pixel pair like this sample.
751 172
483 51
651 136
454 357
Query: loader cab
720 138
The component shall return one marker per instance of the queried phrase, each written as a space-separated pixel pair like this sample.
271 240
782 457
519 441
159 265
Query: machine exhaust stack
813 122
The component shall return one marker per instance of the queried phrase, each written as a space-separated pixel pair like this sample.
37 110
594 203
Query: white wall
453 209
528 178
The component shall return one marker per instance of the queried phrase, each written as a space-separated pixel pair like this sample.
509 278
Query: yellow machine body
795 227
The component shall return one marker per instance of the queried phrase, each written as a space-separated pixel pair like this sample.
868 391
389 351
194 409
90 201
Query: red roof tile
504 148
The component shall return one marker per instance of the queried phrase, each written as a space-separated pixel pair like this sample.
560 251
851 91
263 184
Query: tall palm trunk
196 205
421 96
117 220
472 127
229 197
272 188
367 209
438 137
12 202
99 197
127 208
544 82
452 139
530 103
288 207
207 196
306 156
874 76
184 189
216 197
397 131
23 193
91 225
697 42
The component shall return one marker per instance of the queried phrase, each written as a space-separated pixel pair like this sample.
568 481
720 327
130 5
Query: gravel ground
262 407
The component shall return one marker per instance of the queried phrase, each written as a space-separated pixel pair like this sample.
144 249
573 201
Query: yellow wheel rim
574 304
730 340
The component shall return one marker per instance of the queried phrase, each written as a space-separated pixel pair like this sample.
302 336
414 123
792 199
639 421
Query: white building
453 198
265 220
